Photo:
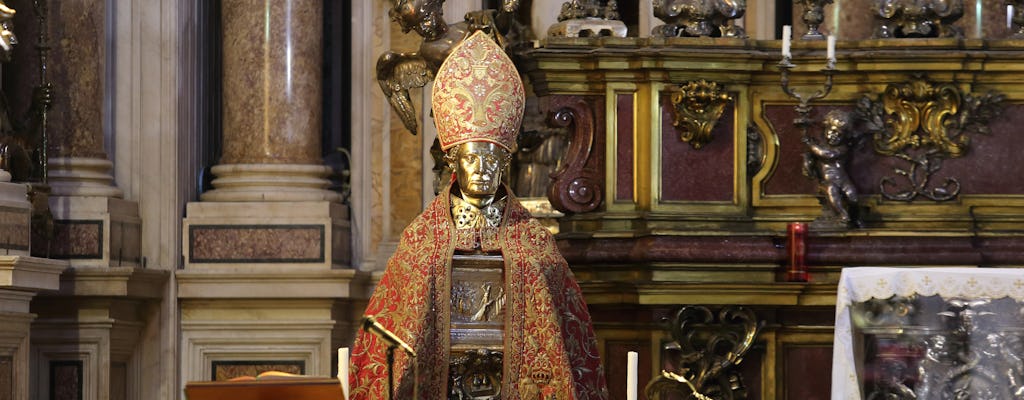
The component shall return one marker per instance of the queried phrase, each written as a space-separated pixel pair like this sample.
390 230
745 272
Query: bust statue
476 282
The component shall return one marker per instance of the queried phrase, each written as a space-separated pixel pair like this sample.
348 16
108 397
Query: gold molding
923 123
698 106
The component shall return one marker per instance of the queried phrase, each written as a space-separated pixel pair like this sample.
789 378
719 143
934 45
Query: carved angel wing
396 74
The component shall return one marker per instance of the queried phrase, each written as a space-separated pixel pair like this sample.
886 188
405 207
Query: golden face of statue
478 167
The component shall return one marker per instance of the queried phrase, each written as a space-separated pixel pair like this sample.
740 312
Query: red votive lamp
796 246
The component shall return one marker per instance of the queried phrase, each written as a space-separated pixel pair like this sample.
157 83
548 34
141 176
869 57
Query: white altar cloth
863 283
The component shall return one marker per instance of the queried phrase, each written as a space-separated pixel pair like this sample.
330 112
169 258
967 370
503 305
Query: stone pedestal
225 235
95 231
266 286
245 321
20 279
85 334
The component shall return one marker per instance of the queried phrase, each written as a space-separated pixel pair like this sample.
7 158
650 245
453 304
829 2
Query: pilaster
21 278
85 337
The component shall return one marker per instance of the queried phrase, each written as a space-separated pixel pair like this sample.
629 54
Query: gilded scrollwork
707 349
698 105
925 123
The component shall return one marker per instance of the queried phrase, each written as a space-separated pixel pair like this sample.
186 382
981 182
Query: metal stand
803 109
390 355
391 371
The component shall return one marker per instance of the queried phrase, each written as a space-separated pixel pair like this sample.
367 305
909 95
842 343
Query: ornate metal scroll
588 18
814 15
925 123
929 347
577 185
698 105
1017 18
918 18
476 375
707 351
699 18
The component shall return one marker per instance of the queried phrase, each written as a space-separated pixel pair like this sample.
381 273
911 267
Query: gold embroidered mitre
478 95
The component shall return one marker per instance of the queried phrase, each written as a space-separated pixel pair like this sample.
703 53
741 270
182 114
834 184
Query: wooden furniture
274 388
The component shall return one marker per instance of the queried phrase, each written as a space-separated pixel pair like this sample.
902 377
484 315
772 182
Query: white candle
343 370
1009 16
632 361
787 31
831 52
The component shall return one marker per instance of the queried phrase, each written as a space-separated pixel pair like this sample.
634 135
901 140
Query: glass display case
929 333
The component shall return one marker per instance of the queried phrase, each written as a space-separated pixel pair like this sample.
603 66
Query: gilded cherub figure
399 72
826 164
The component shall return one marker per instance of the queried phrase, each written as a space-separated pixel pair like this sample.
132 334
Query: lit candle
787 31
831 52
632 361
343 370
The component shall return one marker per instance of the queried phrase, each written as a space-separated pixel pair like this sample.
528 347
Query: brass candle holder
803 107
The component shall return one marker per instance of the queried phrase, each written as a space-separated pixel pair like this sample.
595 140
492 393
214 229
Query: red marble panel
14 229
807 372
821 250
983 170
256 243
82 239
788 176
66 380
688 174
624 152
731 249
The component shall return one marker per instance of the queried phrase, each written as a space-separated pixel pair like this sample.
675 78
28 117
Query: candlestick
632 361
830 55
343 370
787 31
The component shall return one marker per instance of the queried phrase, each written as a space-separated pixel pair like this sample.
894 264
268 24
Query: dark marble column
272 103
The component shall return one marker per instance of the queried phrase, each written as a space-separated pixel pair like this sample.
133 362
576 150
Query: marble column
272 103
92 225
78 163
270 236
